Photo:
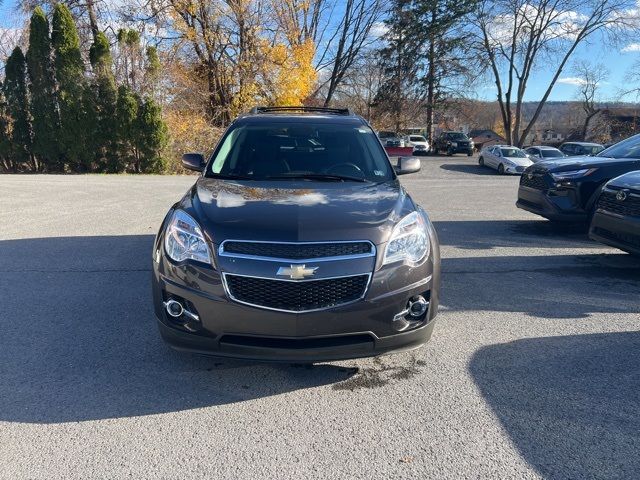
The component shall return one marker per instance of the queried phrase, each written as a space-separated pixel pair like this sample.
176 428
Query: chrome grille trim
223 253
228 291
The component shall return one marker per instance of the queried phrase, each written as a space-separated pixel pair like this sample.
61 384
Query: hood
519 161
576 163
629 180
291 210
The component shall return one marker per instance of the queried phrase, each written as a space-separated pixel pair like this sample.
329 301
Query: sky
617 59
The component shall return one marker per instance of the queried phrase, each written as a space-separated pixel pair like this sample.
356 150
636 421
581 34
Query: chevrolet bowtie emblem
297 272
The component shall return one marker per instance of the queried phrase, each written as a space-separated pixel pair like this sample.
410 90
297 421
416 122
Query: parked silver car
505 159
538 153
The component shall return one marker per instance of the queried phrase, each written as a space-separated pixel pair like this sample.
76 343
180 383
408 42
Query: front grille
624 238
629 207
296 296
536 181
297 251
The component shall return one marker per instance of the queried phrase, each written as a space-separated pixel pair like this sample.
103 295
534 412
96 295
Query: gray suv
297 243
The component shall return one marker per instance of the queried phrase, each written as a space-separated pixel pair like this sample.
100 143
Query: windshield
299 150
629 148
456 136
417 138
551 153
384 134
590 149
513 153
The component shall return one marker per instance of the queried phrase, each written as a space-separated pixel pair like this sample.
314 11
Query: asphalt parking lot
533 370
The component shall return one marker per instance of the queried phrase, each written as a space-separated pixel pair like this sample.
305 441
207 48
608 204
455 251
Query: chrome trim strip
222 253
228 292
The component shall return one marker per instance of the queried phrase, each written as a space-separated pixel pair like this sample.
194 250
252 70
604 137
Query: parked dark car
616 220
297 243
567 189
453 142
574 149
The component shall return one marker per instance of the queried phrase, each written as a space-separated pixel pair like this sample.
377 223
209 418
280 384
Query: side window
579 150
568 149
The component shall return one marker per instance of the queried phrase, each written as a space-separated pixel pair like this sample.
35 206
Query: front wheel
501 169
469 154
481 162
449 152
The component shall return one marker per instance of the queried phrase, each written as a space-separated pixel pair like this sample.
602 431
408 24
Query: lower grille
536 181
296 296
625 238
629 207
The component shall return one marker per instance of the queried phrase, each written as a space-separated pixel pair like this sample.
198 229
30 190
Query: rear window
257 152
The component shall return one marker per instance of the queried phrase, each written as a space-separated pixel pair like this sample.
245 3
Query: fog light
174 308
418 306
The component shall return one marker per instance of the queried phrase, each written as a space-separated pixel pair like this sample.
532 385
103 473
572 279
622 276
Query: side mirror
193 161
407 165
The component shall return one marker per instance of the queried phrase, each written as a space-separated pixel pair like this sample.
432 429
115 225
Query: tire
501 169
449 152
481 162
469 154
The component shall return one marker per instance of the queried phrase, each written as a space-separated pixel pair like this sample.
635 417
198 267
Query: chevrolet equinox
296 243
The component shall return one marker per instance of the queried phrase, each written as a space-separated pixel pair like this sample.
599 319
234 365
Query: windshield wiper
317 176
222 176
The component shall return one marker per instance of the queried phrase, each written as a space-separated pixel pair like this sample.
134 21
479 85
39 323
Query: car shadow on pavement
466 168
489 234
78 339
557 286
570 404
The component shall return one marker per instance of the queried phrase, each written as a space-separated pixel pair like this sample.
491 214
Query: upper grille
296 296
536 181
297 251
609 203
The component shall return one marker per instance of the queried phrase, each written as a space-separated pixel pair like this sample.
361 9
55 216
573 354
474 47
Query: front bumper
359 329
622 232
514 169
460 149
551 206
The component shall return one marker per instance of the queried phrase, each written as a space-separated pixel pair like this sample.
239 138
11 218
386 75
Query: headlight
409 240
183 239
571 174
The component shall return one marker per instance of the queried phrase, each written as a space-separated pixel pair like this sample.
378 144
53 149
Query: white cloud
632 47
575 81
378 29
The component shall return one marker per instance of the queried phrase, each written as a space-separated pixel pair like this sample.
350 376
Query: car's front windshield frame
371 152
457 136
506 152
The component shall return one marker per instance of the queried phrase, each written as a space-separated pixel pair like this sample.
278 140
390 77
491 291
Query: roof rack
333 111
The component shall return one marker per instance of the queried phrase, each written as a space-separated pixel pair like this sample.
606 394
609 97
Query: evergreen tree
104 100
15 93
44 109
6 162
152 70
152 137
126 115
69 68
